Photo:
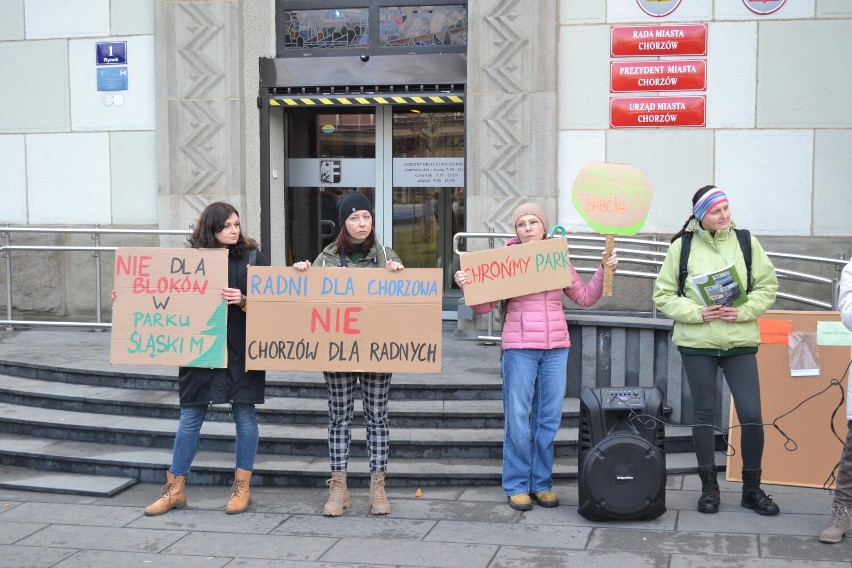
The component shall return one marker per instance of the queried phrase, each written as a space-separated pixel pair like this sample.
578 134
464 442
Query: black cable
790 445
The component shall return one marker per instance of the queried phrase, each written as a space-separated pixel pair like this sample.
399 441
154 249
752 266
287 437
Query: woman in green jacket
710 337
356 246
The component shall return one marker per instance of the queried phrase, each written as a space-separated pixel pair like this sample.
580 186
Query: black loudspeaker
621 457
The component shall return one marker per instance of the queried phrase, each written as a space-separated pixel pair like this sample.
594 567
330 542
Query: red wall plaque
671 75
654 112
670 39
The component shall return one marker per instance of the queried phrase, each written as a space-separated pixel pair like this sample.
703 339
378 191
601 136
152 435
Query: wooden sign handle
607 283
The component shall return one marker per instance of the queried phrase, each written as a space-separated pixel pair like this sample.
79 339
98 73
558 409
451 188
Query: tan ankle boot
240 494
338 498
171 496
837 527
379 504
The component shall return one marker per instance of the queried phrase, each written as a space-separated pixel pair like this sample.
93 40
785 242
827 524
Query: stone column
512 126
259 41
201 132
511 110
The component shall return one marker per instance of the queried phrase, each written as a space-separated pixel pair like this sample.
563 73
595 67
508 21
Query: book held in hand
723 287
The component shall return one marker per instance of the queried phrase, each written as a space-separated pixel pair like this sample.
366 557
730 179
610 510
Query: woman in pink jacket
535 364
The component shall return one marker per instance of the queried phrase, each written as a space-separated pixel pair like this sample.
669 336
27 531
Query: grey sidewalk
446 527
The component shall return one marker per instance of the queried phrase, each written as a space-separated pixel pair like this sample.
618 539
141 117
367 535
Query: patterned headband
708 201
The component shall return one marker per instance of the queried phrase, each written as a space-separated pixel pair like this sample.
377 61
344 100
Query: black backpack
744 238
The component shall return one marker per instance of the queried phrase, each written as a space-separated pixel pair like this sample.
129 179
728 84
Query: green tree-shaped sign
216 355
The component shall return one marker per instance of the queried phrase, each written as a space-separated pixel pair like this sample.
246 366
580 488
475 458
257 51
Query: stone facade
200 118
778 132
510 111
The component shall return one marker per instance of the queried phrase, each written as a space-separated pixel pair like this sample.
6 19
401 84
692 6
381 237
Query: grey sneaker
838 525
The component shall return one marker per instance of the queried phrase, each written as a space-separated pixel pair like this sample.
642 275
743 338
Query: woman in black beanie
356 246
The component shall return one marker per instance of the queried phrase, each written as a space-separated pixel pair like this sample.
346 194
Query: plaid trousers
341 402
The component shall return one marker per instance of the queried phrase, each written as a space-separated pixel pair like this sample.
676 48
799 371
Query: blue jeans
533 391
189 431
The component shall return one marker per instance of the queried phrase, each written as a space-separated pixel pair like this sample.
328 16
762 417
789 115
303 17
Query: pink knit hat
530 209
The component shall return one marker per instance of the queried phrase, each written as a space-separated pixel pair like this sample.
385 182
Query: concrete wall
186 133
779 129
68 154
778 132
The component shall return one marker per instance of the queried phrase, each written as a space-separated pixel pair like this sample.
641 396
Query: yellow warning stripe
367 100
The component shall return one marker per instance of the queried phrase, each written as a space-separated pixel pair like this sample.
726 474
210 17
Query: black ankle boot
709 500
754 497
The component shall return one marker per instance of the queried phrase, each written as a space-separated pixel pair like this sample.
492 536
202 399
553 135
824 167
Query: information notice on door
428 172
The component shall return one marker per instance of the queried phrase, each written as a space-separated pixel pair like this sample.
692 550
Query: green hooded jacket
709 253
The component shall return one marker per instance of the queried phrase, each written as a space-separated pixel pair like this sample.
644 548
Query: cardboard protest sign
168 308
613 199
337 319
497 274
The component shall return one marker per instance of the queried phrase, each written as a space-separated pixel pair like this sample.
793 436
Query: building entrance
408 160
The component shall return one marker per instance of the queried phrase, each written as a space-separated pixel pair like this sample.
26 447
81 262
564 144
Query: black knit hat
351 202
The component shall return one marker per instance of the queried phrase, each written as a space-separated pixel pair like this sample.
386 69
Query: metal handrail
630 257
782 273
96 233
4 248
838 262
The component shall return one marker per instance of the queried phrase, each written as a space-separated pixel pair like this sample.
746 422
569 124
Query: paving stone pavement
446 527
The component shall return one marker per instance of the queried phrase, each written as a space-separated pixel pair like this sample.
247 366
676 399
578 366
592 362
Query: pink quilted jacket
536 321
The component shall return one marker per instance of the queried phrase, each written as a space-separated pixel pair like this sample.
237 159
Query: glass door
408 160
329 152
427 188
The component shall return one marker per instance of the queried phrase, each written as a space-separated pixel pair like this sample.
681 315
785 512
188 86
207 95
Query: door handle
327 228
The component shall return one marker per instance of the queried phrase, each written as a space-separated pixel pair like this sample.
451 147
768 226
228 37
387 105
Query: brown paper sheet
169 308
337 319
507 272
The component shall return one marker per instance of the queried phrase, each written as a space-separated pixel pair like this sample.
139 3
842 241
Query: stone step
23 479
276 410
278 439
65 409
469 383
148 465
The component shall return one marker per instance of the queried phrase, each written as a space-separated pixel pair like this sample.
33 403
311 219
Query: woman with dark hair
199 388
356 246
716 337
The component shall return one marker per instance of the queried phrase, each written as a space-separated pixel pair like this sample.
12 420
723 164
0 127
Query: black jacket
203 386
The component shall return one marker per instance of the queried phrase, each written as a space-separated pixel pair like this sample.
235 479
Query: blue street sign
112 79
111 53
